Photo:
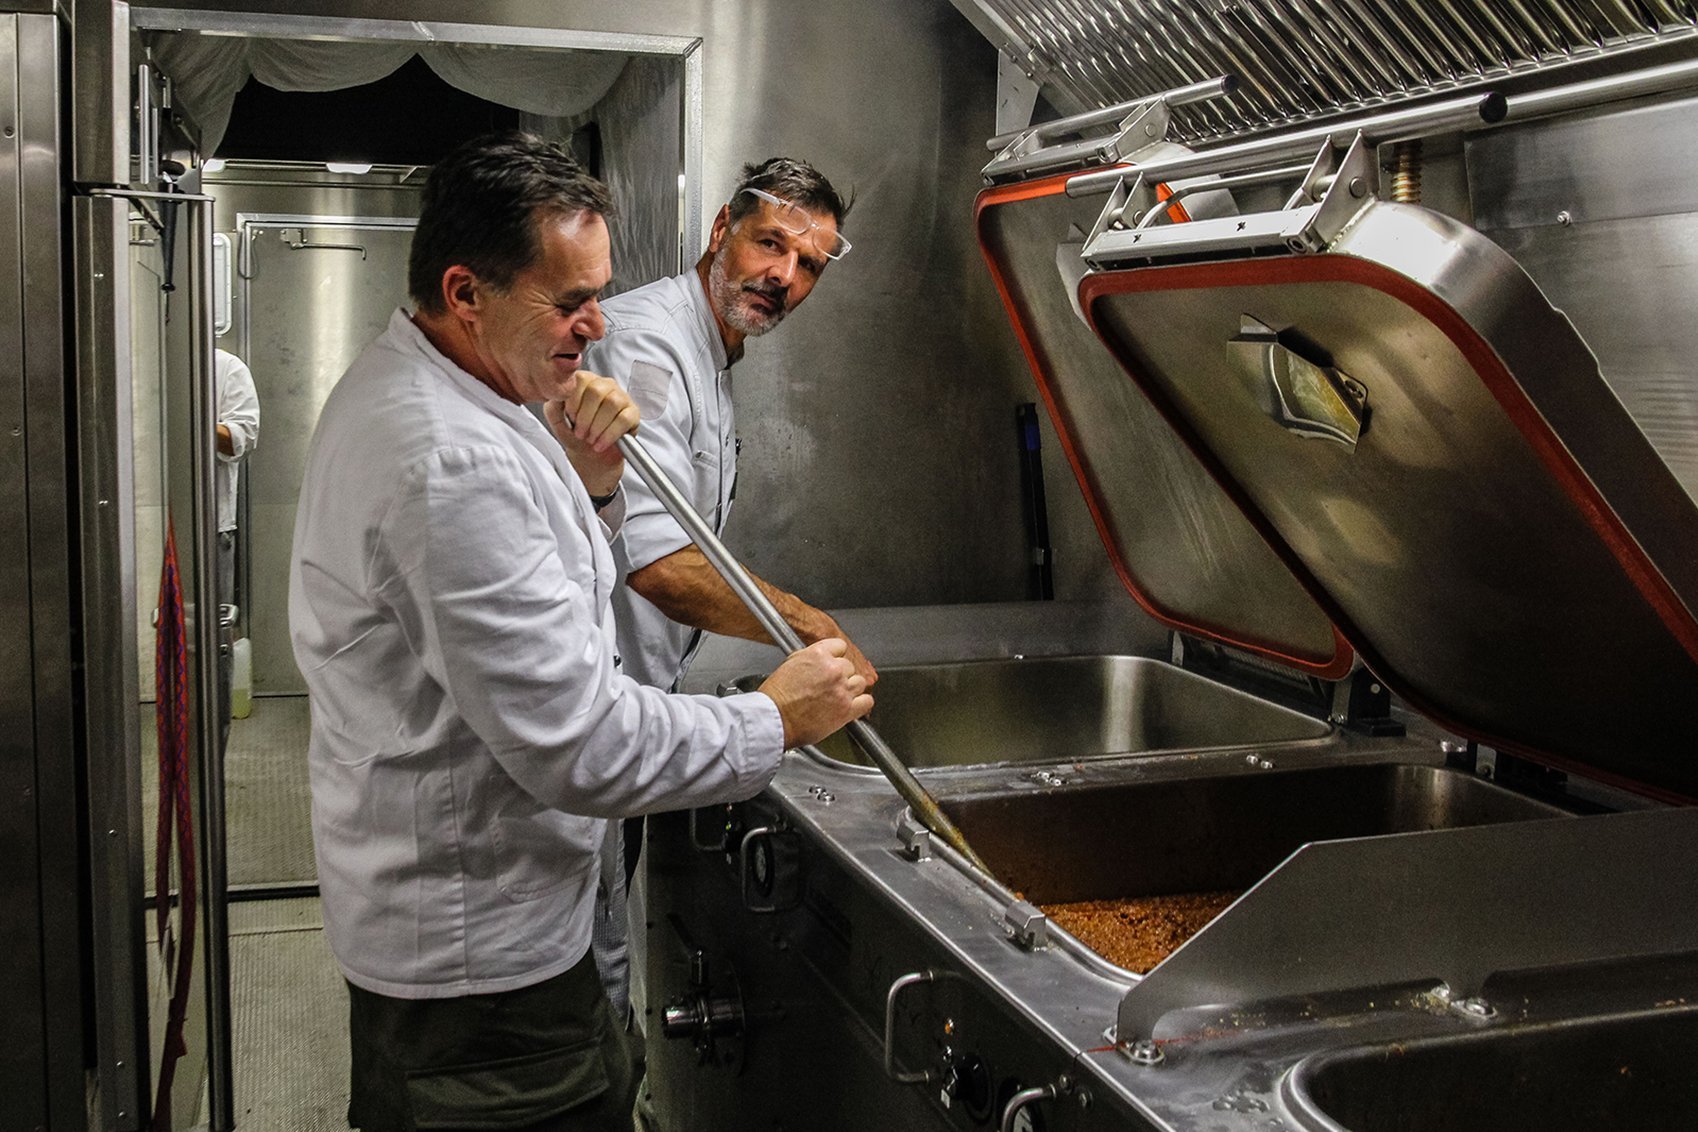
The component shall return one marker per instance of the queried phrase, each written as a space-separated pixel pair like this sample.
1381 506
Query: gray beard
727 296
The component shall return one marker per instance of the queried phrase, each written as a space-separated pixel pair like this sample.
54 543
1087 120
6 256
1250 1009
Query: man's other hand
817 691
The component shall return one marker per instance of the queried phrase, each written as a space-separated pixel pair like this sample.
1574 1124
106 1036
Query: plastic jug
241 679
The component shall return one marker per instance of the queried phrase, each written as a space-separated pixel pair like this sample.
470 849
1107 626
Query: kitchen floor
290 1019
288 1003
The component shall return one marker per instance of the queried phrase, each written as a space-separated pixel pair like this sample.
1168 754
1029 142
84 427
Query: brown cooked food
1138 934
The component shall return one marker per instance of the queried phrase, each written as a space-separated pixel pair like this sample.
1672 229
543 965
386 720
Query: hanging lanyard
171 716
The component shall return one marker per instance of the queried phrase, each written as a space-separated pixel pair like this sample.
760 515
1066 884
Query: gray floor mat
267 801
290 1023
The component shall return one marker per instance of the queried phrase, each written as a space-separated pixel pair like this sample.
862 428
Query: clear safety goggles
798 221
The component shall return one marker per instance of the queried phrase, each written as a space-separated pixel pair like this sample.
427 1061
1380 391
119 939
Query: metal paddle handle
868 740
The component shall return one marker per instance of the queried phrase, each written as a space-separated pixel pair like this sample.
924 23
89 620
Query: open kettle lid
1429 445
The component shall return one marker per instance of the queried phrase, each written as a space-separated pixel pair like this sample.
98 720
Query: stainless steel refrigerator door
40 911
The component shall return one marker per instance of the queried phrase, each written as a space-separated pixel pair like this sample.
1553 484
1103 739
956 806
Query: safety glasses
797 221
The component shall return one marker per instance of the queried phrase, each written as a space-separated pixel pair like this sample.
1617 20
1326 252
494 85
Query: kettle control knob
966 1081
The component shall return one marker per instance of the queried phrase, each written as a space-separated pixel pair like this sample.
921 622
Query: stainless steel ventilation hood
1301 60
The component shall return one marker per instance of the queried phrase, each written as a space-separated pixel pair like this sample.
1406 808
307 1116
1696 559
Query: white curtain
207 70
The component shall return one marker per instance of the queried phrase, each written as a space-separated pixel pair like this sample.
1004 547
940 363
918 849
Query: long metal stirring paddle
869 740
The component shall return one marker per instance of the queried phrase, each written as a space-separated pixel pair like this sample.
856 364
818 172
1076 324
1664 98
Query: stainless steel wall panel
23 1065
47 428
1639 321
101 117
1602 211
1636 161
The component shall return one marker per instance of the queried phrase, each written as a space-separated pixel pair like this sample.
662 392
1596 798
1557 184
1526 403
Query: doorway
318 219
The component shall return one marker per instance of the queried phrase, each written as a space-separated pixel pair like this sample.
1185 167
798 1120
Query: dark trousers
545 1058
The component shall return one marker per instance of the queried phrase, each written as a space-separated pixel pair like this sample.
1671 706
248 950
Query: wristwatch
600 501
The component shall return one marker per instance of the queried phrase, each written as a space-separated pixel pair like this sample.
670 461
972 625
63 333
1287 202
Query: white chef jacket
449 608
684 393
238 411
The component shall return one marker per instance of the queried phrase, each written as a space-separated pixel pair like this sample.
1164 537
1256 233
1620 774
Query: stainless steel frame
1470 111
43 886
100 118
112 718
195 401
121 1076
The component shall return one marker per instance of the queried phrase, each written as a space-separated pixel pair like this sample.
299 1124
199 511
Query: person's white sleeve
501 612
238 405
612 516
650 532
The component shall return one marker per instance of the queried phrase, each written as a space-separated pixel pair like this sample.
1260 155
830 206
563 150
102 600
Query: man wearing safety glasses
672 344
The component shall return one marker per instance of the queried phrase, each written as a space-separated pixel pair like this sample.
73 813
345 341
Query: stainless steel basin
1154 836
1071 707
1581 1076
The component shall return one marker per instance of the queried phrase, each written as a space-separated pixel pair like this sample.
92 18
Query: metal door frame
241 268
241 276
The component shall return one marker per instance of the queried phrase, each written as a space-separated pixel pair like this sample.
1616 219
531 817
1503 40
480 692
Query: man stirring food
471 732
673 344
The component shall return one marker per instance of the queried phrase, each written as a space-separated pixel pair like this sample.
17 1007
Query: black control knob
967 1083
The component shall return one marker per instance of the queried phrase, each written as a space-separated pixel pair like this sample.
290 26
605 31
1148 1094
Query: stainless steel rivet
1144 1052
1564 218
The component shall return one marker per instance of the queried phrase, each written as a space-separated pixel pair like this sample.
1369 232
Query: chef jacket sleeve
499 605
238 405
650 532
